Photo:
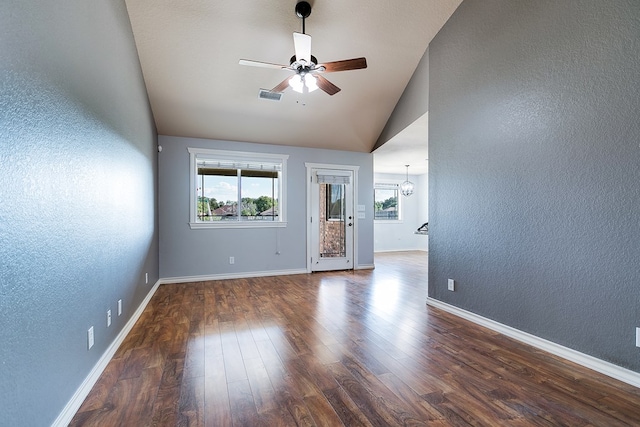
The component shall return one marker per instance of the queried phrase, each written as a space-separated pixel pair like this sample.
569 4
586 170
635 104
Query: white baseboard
365 267
244 275
82 392
386 251
599 365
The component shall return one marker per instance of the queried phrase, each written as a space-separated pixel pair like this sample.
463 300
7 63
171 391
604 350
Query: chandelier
406 188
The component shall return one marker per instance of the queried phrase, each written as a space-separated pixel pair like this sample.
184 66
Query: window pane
217 196
332 225
386 203
259 196
335 201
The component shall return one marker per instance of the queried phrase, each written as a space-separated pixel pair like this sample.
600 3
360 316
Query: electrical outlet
146 278
90 340
108 318
119 307
637 337
451 285
232 260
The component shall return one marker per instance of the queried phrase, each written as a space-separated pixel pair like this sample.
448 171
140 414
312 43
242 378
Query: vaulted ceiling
189 52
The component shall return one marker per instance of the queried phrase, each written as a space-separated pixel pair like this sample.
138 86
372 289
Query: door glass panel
332 221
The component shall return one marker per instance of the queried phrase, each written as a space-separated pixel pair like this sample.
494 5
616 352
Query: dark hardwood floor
341 348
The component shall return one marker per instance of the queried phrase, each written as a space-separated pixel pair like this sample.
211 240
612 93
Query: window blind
332 178
230 168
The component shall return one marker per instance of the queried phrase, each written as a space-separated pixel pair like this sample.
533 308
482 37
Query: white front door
331 219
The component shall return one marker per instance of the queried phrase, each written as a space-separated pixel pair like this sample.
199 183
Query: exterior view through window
386 202
334 203
221 191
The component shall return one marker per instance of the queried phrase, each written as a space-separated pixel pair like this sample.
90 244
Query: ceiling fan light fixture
296 83
407 187
303 83
311 82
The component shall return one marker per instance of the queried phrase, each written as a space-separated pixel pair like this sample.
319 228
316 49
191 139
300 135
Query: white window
237 189
386 202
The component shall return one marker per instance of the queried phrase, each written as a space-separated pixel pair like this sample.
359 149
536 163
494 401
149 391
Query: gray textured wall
77 196
534 169
202 252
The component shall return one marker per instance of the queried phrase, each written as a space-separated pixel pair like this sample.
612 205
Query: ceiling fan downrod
303 10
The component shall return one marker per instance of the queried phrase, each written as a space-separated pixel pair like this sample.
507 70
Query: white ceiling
189 52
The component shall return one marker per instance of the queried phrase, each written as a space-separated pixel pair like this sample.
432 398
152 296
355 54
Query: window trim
195 153
388 185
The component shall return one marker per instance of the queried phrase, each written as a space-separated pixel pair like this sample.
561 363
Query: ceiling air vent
267 94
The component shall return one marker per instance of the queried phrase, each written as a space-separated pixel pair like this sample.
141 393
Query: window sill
238 224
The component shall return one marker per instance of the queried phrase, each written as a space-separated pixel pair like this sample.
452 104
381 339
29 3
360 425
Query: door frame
354 189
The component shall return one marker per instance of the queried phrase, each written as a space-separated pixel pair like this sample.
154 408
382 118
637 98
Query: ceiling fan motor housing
313 59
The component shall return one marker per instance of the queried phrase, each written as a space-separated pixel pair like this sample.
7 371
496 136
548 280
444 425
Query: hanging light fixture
406 188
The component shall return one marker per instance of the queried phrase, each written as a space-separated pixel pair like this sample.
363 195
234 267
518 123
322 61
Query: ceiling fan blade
326 85
345 65
281 86
261 64
302 44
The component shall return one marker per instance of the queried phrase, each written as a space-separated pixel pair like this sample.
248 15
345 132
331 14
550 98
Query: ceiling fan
307 70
